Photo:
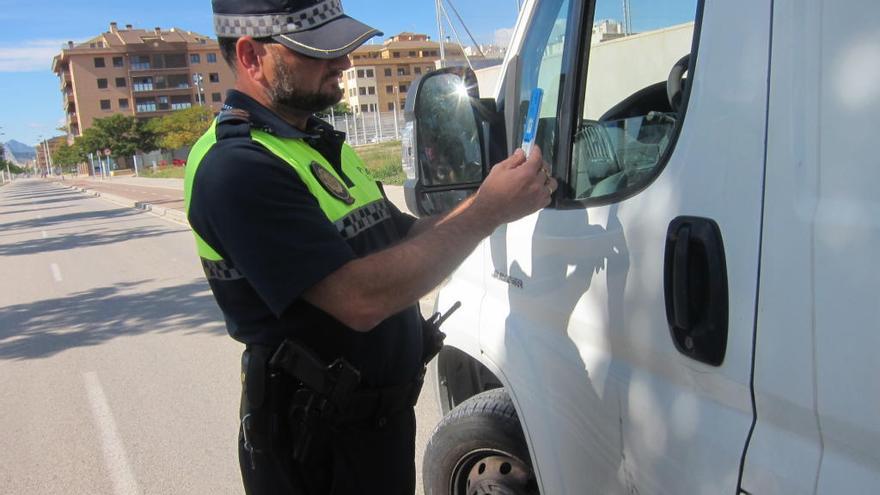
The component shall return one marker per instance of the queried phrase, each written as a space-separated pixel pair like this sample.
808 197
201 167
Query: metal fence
368 127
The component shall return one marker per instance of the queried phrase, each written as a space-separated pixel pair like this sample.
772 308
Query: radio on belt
531 128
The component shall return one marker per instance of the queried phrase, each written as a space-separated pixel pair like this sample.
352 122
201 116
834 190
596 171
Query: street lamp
197 79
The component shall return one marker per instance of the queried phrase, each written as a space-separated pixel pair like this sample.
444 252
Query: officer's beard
285 96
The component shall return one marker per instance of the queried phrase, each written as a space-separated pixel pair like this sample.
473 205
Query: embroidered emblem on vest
331 184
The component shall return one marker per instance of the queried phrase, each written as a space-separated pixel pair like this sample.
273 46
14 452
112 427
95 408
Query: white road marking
114 452
56 272
44 234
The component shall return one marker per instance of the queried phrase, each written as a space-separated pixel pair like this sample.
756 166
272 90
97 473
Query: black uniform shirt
256 212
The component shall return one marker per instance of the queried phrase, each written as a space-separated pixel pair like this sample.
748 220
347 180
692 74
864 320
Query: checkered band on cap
267 25
362 219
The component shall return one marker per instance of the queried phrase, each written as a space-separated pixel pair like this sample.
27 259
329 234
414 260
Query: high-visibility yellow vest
336 200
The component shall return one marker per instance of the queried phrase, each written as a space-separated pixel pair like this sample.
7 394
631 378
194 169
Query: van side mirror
445 153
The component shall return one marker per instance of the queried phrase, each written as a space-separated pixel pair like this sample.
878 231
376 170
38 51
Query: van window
542 67
628 120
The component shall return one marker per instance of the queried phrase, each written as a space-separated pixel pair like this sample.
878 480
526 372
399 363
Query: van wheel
479 449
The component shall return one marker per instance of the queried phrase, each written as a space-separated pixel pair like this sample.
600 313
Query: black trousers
344 460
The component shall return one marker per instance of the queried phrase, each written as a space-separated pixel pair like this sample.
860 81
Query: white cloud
29 56
503 36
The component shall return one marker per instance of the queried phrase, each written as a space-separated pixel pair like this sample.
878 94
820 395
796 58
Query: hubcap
492 473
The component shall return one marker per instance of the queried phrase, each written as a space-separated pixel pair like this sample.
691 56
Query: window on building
102 83
195 58
403 88
388 72
395 54
118 62
365 108
412 54
402 71
181 102
212 58
371 90
105 104
390 106
142 84
389 90
362 91
370 73
140 62
216 97
145 104
417 70
120 82
123 103
214 77
99 62
360 72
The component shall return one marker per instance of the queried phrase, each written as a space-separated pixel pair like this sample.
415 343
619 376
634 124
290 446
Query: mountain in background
20 152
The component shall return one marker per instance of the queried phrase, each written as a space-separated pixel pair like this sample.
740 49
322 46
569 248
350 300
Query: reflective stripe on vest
367 209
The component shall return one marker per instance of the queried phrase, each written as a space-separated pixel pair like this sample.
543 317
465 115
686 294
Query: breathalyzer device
531 128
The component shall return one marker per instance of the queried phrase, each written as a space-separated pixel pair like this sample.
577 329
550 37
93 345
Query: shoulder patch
331 184
233 122
234 116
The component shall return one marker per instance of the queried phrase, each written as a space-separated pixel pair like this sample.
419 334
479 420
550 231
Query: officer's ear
250 55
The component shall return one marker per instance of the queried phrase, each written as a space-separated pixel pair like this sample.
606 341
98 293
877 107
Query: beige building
138 72
382 74
53 144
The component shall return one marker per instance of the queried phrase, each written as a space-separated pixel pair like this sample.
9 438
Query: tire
479 449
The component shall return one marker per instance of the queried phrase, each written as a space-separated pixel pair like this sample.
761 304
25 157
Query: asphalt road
118 376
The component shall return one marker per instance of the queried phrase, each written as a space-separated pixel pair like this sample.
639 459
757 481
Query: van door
621 319
816 370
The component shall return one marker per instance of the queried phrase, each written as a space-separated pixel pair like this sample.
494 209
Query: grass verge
382 161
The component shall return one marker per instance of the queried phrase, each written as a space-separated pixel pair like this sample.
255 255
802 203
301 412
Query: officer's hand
516 187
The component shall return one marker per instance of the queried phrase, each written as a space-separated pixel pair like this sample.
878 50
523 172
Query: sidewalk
163 197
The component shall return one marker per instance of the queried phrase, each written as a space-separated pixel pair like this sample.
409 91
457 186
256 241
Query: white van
697 311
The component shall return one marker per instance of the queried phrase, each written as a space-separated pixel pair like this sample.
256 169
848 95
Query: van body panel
847 232
785 449
816 369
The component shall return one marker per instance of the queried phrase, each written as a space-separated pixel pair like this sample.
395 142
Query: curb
159 211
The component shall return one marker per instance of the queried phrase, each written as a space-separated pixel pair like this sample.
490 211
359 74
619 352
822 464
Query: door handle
695 288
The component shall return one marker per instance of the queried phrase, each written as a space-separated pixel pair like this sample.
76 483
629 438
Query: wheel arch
460 376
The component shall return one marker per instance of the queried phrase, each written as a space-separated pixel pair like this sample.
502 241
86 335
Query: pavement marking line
114 452
56 272
44 234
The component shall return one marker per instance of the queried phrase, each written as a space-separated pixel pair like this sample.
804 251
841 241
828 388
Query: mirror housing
443 144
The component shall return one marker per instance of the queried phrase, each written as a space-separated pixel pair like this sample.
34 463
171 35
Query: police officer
301 248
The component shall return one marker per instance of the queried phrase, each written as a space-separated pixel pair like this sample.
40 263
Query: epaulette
233 122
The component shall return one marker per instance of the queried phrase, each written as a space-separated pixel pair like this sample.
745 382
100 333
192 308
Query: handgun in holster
324 391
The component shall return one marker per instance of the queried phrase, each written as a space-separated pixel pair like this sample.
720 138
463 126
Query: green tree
341 108
13 168
182 128
66 156
122 135
90 141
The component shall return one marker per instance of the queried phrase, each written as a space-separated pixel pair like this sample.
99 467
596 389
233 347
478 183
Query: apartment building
52 144
381 75
139 72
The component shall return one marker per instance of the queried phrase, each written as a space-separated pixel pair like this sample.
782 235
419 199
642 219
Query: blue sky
32 32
